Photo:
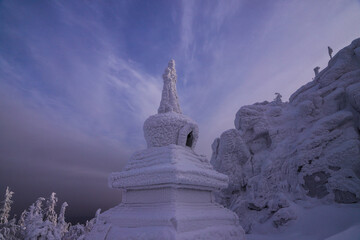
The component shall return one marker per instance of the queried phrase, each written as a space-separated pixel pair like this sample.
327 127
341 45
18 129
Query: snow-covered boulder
307 148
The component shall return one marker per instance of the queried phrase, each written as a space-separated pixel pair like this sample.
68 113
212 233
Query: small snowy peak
308 148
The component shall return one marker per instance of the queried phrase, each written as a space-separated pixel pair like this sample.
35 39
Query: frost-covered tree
62 225
41 223
33 222
5 210
21 221
50 213
90 224
37 226
75 232
34 226
8 228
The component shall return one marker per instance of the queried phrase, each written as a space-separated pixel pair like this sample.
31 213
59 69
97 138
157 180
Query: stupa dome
170 126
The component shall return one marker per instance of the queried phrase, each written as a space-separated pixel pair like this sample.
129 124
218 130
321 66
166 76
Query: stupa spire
169 99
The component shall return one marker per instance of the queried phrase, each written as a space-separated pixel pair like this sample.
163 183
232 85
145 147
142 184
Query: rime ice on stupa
168 188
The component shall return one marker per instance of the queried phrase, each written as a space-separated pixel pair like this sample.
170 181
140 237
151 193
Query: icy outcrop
330 51
316 70
307 148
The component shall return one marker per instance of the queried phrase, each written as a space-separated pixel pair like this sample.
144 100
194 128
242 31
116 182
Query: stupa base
167 221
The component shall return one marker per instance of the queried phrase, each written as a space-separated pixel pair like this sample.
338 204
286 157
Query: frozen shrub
41 223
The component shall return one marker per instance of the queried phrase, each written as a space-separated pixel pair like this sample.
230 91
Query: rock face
307 148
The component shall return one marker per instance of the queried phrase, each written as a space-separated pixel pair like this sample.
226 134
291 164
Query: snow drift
307 148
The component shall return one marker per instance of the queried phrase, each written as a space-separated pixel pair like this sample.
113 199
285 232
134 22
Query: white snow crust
169 128
166 221
305 149
325 222
171 164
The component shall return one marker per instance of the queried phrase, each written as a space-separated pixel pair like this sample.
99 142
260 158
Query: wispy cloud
142 90
256 50
75 110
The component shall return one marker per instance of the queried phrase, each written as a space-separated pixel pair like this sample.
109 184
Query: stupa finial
169 99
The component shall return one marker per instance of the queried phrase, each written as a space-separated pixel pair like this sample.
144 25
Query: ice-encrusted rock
306 148
283 216
330 51
316 70
168 189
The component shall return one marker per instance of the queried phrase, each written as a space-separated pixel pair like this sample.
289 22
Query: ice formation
168 189
304 149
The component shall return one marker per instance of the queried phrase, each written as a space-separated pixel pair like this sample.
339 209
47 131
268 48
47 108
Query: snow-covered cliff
280 153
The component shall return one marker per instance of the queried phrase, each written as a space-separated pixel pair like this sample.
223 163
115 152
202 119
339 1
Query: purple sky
78 79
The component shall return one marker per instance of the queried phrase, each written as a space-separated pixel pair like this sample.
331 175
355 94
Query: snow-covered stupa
168 188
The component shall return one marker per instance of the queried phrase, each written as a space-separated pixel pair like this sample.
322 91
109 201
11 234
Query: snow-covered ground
323 222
